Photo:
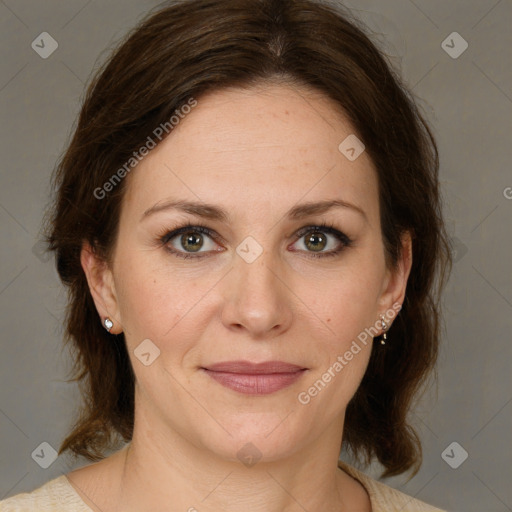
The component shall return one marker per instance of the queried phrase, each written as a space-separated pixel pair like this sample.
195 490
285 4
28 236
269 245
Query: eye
189 241
196 241
315 239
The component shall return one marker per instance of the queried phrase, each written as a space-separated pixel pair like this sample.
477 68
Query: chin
256 437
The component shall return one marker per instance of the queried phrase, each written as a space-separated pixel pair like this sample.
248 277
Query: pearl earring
108 324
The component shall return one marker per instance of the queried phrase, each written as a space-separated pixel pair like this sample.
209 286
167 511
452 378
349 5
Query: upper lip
248 368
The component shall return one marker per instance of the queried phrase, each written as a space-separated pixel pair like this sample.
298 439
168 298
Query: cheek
167 303
345 305
343 349
163 303
329 389
152 301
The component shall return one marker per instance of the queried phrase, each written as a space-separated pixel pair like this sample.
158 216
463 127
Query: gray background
469 103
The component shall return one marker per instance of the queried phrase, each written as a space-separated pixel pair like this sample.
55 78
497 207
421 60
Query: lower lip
255 384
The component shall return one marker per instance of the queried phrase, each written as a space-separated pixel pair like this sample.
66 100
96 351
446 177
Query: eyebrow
212 212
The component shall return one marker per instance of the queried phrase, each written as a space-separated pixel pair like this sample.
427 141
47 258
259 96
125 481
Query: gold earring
384 329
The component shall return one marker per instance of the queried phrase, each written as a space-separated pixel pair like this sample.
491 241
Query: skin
256 153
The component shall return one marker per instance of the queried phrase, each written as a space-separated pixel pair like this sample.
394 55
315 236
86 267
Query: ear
101 285
395 283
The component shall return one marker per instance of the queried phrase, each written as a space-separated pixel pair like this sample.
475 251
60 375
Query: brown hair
193 46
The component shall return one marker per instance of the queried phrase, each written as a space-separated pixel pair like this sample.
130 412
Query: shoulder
57 495
384 498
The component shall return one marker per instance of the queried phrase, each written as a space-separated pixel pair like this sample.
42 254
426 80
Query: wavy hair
184 49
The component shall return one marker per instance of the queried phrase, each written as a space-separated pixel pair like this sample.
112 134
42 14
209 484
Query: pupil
191 241
316 238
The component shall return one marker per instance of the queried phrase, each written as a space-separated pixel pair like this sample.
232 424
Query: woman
249 223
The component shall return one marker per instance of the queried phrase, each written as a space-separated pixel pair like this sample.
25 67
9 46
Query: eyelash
167 235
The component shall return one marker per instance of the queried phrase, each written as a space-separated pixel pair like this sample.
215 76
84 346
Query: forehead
256 150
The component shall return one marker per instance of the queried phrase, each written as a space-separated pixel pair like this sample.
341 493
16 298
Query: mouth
255 378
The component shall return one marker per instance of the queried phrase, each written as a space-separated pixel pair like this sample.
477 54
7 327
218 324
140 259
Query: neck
162 469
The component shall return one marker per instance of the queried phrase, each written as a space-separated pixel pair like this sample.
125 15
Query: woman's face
260 283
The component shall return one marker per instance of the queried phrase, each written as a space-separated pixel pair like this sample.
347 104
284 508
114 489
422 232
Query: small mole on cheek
328 319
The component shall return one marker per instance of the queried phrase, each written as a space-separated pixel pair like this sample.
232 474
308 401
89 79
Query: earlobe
101 286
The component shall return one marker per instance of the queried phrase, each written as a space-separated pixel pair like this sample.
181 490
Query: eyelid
169 234
324 227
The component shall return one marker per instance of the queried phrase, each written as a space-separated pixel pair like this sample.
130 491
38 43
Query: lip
255 378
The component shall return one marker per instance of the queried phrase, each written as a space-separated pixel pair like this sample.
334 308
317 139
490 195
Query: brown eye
316 241
321 241
191 241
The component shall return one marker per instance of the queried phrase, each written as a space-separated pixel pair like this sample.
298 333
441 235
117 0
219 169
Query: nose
257 298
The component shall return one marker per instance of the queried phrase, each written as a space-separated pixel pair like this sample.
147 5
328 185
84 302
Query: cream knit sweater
59 495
